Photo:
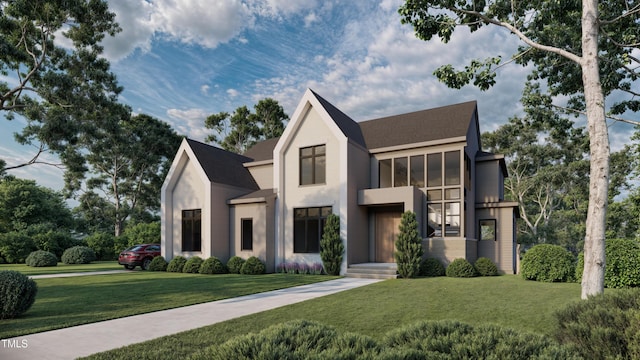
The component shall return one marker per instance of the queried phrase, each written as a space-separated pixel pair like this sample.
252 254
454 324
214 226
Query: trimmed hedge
78 255
485 267
213 265
192 266
253 266
461 268
235 264
432 267
548 263
158 264
41 258
17 294
623 264
176 264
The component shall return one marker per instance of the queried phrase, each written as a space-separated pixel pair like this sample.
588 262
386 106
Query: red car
139 255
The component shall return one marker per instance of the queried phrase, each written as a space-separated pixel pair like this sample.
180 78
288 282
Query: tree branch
614 118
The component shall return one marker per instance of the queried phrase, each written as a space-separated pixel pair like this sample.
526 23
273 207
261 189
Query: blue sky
182 60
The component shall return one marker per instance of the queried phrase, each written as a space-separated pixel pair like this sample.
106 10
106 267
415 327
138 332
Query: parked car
139 255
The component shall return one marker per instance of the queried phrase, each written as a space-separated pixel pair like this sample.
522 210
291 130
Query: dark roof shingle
223 167
262 150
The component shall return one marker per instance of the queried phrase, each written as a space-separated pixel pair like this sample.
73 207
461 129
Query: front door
387 230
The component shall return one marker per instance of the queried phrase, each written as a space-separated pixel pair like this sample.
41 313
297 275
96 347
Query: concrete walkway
84 340
105 272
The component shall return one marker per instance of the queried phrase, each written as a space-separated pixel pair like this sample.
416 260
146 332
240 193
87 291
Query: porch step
373 271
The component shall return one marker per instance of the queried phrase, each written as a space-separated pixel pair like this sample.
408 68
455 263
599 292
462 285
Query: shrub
176 264
158 264
17 294
192 266
408 252
548 263
253 266
103 245
213 265
235 264
78 255
49 238
485 267
41 258
605 326
623 264
431 267
141 233
461 268
331 247
16 246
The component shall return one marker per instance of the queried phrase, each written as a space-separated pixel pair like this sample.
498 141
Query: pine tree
331 247
408 246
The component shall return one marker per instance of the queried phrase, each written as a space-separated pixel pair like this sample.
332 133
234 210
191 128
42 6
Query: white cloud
204 89
134 17
310 19
232 92
189 122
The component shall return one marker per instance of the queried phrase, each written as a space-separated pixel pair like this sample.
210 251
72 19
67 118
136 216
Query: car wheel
129 267
145 264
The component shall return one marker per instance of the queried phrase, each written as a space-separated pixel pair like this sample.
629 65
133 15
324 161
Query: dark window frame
315 177
246 234
487 223
192 230
308 228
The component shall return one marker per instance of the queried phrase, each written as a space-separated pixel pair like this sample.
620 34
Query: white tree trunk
594 255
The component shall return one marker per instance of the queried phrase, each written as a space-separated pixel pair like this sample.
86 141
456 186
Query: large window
417 171
247 234
192 230
313 165
400 172
308 226
444 194
384 174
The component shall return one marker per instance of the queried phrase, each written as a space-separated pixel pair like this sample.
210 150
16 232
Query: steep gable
348 126
223 167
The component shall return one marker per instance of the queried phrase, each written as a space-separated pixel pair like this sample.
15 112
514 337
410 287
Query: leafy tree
271 118
331 247
408 252
582 50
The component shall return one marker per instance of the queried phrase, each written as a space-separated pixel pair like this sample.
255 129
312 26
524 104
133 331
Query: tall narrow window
191 230
452 218
247 234
434 220
384 173
417 171
434 169
400 172
452 168
313 165
308 227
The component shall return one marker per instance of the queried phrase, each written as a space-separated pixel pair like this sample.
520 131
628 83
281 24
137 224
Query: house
272 201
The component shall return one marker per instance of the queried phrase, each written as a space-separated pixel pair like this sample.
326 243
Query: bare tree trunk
594 255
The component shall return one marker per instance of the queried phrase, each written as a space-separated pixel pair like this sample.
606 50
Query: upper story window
313 162
401 171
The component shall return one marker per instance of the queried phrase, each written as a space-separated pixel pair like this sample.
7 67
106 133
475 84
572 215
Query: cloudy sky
182 60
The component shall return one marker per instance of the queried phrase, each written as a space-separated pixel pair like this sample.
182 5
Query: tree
408 252
564 41
331 247
270 116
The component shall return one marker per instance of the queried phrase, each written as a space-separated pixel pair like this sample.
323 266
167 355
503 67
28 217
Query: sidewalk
105 272
88 339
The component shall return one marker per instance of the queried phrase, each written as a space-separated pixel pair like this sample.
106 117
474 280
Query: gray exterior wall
262 214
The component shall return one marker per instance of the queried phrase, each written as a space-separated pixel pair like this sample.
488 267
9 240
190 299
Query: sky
182 60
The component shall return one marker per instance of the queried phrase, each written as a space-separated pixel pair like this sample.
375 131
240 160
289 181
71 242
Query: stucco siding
357 224
186 195
261 215
263 175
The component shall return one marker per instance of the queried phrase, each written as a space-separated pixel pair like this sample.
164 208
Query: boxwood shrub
192 266
158 264
41 258
235 264
213 265
461 268
17 294
548 263
78 255
253 266
485 267
431 267
176 264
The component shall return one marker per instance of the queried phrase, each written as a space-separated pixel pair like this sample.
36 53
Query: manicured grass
63 268
64 302
376 309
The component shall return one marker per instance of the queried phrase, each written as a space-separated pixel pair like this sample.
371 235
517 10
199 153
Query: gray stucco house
271 202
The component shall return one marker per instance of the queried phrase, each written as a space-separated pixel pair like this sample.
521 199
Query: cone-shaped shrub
331 247
408 252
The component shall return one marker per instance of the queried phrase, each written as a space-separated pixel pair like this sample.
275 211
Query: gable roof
262 150
348 126
223 167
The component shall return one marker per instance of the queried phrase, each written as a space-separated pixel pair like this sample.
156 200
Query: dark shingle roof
223 167
262 150
349 128
420 126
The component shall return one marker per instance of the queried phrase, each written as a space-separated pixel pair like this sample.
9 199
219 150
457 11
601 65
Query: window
452 168
312 165
444 186
384 173
308 226
488 229
417 171
191 230
434 220
400 172
434 169
247 234
452 217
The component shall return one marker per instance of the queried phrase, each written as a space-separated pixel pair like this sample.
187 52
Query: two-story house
272 201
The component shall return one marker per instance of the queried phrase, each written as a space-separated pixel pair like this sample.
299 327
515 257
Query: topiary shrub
213 265
192 266
461 268
408 252
606 326
548 263
485 267
235 264
102 244
331 247
78 255
158 264
431 267
253 266
41 258
17 294
176 264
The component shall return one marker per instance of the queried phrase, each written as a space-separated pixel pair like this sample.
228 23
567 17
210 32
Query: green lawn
64 302
373 310
63 268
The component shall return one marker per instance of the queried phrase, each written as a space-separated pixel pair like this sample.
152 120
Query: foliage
331 246
548 263
176 264
192 266
235 264
142 233
461 268
485 267
78 255
47 238
15 246
213 265
253 266
158 264
41 258
408 254
103 245
623 264
432 267
605 326
17 294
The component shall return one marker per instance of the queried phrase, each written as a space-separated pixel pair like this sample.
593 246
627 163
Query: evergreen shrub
253 266
548 263
235 264
331 247
431 267
158 264
41 258
192 266
17 294
103 246
623 264
485 267
408 254
78 255
213 265
176 264
461 268
16 246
